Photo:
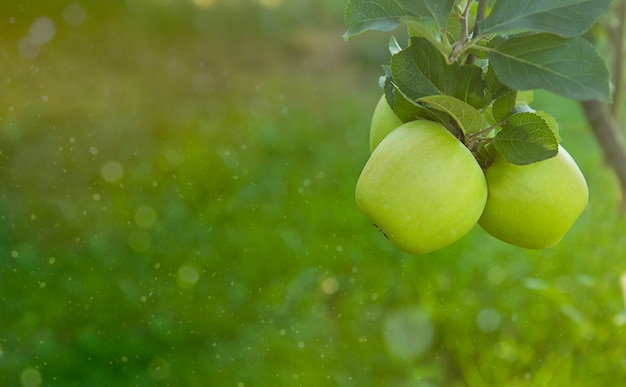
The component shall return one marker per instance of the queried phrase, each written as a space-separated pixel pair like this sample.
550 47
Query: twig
482 132
459 45
617 35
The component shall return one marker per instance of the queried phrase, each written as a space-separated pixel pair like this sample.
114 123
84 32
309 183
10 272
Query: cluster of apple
424 189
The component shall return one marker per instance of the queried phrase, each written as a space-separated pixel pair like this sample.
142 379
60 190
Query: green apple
422 187
384 120
533 206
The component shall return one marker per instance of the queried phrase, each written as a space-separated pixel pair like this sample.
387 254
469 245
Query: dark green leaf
365 15
569 67
494 86
421 71
567 18
384 15
467 84
438 10
408 110
404 108
525 139
417 27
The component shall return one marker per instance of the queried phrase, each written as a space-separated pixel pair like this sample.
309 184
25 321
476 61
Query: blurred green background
176 204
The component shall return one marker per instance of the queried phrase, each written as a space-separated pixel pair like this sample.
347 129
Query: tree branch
480 15
610 138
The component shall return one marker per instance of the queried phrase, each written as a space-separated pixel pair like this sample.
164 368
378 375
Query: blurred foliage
176 200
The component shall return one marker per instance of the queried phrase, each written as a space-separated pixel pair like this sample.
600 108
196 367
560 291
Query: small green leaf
552 123
567 18
468 119
394 46
503 106
525 139
525 96
569 67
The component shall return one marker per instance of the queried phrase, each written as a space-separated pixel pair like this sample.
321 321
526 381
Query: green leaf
468 85
569 67
526 96
552 123
384 15
525 139
503 106
421 71
408 110
438 10
417 27
468 119
404 108
494 86
567 18
365 15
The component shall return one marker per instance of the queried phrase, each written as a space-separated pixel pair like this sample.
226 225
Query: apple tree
470 67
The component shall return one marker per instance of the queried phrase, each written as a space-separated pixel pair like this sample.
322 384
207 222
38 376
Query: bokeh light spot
30 377
42 30
330 285
188 275
496 275
74 15
408 333
27 48
488 320
112 172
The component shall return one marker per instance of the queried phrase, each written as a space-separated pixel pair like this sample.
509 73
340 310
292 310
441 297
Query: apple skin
422 187
533 206
384 120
